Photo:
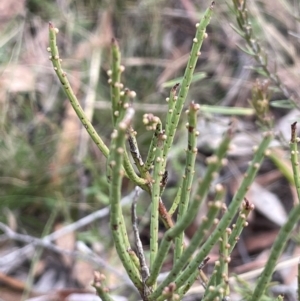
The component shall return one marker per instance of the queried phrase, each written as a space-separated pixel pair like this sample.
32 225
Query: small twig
34 242
24 252
138 243
164 181
240 224
164 215
139 247
134 150
202 276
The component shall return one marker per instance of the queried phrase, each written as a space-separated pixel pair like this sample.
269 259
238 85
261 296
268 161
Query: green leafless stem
285 230
56 62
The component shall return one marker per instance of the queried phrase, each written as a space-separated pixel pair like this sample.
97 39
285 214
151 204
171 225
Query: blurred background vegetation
47 162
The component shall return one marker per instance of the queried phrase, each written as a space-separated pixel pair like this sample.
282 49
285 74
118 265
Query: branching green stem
240 224
157 176
295 159
212 280
138 243
285 231
228 216
176 200
123 104
207 223
276 250
191 153
135 259
56 61
171 104
245 30
116 217
222 274
115 77
199 273
135 153
185 221
187 78
151 153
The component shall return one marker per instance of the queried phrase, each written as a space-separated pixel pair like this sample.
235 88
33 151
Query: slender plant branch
207 223
187 78
254 48
56 61
116 217
119 100
219 196
135 153
135 259
115 80
182 291
222 274
157 176
45 243
295 159
177 199
232 209
214 166
171 105
164 215
240 224
285 230
191 153
142 265
151 152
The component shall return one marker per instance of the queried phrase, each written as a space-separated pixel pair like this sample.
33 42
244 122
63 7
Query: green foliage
185 268
36 193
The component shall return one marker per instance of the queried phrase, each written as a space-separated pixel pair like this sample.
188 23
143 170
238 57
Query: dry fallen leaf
267 203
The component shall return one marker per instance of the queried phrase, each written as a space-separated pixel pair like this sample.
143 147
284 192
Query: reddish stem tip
293 132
